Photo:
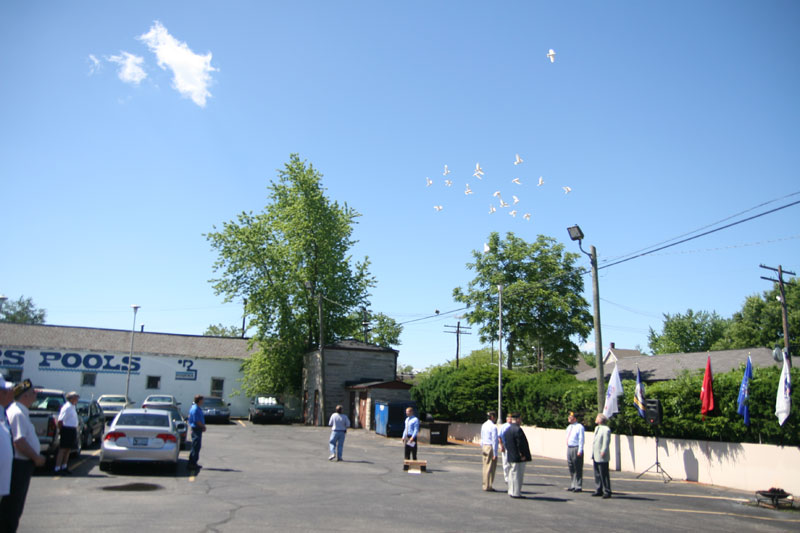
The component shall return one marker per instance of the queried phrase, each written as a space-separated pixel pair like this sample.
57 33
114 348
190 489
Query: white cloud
94 64
130 67
191 72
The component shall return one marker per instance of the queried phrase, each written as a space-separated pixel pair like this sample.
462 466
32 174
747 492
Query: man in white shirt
26 455
339 424
502 446
6 440
68 426
489 450
575 437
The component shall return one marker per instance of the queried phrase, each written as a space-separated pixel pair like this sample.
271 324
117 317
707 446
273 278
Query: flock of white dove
479 173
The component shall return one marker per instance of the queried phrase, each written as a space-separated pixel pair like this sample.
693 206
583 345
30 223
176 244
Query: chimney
612 345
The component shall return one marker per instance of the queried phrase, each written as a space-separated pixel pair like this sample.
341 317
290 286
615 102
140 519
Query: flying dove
496 194
486 248
503 204
552 55
446 171
567 190
468 191
492 209
428 182
516 200
516 180
518 160
526 216
478 171
448 182
513 213
437 207
541 182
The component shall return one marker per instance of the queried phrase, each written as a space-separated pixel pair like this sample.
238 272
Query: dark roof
394 384
115 340
353 344
668 366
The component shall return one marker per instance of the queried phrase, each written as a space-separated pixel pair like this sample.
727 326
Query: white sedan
141 435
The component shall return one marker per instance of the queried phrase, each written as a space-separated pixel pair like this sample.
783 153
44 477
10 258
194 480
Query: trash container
438 432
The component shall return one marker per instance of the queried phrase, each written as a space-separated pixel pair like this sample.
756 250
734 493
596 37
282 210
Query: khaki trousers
489 466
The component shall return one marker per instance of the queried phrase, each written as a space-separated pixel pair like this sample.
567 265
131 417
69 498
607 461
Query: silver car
141 435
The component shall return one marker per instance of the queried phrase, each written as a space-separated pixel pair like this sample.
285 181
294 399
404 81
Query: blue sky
128 130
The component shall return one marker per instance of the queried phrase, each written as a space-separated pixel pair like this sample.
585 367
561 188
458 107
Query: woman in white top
68 424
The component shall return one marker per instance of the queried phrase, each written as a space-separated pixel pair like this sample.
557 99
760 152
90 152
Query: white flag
783 404
614 390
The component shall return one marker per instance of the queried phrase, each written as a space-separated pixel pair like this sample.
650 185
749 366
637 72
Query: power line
699 235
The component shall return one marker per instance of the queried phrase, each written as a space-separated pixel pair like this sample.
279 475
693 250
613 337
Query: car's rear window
212 402
114 399
143 419
48 402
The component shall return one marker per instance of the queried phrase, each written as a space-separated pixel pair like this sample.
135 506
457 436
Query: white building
95 361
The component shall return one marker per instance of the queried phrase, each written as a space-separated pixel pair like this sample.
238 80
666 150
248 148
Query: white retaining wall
744 466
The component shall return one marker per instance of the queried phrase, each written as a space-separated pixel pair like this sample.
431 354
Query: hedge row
544 399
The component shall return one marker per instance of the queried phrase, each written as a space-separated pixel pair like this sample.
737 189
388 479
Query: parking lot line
738 515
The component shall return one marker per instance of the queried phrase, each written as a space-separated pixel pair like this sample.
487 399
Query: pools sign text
73 361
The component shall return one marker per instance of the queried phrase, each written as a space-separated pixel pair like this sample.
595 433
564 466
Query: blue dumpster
390 417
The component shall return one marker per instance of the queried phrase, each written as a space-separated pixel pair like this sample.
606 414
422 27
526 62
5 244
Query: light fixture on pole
130 357
576 234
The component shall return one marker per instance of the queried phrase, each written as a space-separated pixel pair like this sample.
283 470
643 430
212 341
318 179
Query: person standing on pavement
410 433
6 440
502 446
197 421
519 453
601 456
489 450
575 437
339 424
26 455
68 427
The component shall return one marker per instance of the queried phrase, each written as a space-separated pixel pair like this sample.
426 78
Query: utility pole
364 323
500 353
458 332
784 313
244 316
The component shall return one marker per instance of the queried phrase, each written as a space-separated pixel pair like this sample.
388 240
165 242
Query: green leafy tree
382 330
542 304
22 311
690 332
218 330
285 260
760 321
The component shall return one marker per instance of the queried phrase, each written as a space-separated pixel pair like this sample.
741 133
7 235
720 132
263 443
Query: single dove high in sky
552 55
518 160
478 171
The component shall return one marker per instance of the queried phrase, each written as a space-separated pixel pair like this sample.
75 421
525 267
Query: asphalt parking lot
277 477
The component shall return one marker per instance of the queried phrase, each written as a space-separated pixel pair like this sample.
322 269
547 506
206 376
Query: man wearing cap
26 455
68 425
575 436
489 450
519 453
6 440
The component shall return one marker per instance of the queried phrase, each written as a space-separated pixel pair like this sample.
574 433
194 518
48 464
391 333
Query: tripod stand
659 470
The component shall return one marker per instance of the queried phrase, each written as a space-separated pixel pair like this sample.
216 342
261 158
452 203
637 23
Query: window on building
217 387
153 382
14 375
89 379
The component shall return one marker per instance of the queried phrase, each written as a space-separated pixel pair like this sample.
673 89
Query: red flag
707 392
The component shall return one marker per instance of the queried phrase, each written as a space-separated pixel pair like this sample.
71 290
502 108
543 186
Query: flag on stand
783 404
638 394
744 393
707 392
614 390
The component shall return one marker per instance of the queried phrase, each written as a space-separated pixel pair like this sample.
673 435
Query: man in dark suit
516 445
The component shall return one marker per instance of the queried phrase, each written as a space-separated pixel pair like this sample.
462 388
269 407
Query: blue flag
638 394
744 393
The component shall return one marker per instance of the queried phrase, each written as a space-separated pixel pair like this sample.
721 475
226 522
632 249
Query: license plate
140 441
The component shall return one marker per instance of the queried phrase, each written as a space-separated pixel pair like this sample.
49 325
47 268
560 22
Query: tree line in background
544 399
21 311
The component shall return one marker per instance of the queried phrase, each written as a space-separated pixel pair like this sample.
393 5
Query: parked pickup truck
44 416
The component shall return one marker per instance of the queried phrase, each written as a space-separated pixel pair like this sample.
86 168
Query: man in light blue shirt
339 424
575 436
410 434
489 450
502 446
197 421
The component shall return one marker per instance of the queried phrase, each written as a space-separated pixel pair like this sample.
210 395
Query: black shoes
597 494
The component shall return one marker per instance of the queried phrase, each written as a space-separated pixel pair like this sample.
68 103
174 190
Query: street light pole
500 354
130 357
576 234
3 299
